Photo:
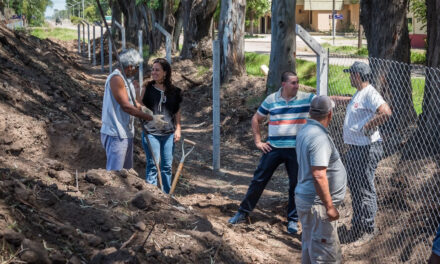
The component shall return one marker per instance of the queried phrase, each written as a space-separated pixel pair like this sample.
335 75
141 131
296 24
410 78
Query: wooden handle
176 177
189 142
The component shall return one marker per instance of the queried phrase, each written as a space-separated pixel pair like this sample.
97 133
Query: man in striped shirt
288 110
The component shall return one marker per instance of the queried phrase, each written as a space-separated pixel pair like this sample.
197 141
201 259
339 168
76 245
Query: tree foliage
32 9
418 8
256 8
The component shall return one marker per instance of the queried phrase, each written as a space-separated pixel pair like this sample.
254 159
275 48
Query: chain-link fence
397 208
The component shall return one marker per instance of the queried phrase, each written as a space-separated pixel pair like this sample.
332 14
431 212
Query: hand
263 146
332 214
146 110
177 135
159 121
367 131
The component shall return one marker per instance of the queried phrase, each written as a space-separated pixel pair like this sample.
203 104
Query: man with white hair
118 112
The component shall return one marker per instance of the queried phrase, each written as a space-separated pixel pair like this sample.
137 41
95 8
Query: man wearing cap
321 185
118 112
366 111
287 109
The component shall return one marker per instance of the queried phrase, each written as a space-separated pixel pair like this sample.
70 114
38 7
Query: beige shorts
320 241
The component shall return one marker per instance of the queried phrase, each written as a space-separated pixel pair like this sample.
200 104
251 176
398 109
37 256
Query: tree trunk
178 27
196 28
133 20
231 36
283 42
392 42
428 134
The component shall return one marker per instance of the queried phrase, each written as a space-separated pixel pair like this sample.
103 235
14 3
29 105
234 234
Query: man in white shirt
366 111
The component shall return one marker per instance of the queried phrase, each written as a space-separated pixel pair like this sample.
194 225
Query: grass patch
201 70
349 50
254 62
418 57
55 33
418 88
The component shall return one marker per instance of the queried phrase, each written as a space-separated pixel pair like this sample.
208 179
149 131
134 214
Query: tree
418 8
32 9
390 42
197 18
427 134
231 36
256 9
283 42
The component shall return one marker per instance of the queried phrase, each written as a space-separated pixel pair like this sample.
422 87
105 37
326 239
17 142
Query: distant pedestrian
321 185
118 112
287 109
162 98
366 111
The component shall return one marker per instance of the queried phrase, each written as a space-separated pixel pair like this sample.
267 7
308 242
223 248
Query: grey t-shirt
314 147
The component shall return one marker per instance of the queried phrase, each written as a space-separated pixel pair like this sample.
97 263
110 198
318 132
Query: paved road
263 45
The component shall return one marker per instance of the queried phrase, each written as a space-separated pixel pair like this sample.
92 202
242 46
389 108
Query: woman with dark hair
163 99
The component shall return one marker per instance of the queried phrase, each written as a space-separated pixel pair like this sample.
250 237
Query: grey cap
359 67
321 105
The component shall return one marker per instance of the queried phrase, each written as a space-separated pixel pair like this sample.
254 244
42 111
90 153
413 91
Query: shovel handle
189 142
176 177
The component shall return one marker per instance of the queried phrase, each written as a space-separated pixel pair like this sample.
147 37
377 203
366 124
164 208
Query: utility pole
333 22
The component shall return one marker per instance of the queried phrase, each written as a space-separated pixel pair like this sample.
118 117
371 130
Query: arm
340 100
322 189
177 133
120 94
256 121
383 113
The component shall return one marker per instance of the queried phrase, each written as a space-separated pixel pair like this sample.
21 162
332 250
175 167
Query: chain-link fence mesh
402 198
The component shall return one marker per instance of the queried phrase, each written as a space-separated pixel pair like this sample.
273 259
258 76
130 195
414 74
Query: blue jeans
119 152
163 149
268 164
436 243
361 163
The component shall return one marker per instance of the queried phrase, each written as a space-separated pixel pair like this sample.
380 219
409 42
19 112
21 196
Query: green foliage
254 62
152 4
256 8
75 20
32 9
350 50
418 88
55 33
418 8
418 57
91 13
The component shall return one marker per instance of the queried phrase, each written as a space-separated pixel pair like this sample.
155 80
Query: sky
57 4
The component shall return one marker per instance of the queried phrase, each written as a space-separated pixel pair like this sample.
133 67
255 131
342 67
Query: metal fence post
141 65
79 38
110 53
88 40
216 107
168 41
102 48
84 37
94 47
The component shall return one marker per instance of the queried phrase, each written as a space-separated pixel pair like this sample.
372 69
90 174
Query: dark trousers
361 163
268 164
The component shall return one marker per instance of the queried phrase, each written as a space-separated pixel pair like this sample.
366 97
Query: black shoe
239 217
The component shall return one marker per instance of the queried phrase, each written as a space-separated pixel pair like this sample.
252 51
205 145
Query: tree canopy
32 9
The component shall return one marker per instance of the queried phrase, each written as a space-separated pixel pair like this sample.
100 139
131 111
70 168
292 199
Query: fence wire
406 180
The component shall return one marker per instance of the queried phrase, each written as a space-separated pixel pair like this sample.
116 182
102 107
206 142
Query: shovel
179 169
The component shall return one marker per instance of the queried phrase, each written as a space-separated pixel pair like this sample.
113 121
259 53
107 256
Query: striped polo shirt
285 117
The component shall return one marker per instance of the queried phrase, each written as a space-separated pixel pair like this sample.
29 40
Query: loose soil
58 204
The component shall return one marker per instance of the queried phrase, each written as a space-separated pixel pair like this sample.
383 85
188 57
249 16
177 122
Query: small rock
65 177
143 200
123 173
210 196
74 260
34 252
140 225
92 239
52 173
12 237
95 178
